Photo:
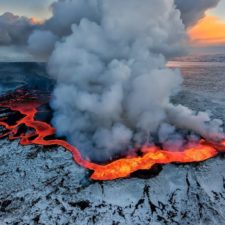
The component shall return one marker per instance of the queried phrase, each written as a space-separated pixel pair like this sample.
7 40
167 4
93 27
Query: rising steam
109 59
114 89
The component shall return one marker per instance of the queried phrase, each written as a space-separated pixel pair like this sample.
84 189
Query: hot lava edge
28 103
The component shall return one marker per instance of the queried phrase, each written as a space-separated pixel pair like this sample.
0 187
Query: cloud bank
17 31
14 30
193 10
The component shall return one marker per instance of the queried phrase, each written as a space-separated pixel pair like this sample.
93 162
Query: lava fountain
37 132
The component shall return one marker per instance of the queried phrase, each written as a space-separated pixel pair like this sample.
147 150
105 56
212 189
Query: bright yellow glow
208 31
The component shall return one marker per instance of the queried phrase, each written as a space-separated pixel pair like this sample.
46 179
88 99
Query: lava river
42 133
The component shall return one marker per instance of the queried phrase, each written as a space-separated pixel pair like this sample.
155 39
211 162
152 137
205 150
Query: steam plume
113 87
41 43
16 30
69 12
109 57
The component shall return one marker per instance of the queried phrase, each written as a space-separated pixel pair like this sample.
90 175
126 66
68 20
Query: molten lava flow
27 104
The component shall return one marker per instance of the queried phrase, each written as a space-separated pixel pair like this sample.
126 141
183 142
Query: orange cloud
35 21
209 31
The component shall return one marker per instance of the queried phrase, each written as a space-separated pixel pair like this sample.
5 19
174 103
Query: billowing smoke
41 43
199 122
15 30
113 87
65 13
193 10
109 59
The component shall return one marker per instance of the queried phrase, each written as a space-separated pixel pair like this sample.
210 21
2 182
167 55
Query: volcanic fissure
31 131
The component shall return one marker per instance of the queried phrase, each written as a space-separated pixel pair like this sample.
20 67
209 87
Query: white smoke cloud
109 59
41 43
170 138
199 122
113 87
113 84
65 13
15 30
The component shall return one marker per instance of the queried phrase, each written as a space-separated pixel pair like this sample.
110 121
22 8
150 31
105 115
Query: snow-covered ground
44 186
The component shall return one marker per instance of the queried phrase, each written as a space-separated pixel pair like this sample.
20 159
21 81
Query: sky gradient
30 8
208 32
219 11
40 8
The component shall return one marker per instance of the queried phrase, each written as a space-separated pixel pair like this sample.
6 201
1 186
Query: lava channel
28 104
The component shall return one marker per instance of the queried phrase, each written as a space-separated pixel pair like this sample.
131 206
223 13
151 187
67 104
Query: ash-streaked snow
44 186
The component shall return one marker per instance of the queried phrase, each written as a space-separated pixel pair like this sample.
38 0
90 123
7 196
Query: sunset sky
210 30
209 33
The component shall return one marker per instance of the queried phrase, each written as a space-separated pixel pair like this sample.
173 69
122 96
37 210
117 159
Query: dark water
26 76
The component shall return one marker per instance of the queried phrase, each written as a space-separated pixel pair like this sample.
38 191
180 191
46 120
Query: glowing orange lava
28 104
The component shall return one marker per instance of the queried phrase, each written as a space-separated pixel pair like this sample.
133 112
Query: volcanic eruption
40 133
112 100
